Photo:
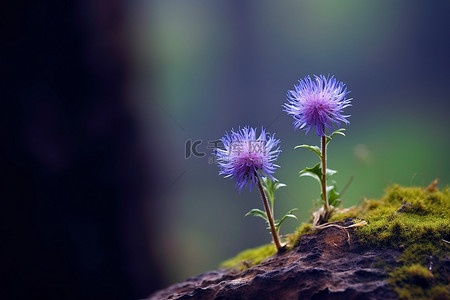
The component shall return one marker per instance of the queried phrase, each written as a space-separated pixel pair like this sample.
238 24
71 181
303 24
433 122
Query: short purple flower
318 102
244 154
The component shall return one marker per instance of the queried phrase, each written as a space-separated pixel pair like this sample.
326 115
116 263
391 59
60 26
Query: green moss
416 221
416 282
410 217
440 292
250 257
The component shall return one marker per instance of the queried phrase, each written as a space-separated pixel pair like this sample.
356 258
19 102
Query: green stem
273 230
324 175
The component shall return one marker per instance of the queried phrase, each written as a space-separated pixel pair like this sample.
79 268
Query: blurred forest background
99 99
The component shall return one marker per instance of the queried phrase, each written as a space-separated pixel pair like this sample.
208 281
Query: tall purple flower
319 102
244 154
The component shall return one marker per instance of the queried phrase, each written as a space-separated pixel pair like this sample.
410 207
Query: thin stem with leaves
324 174
320 172
273 230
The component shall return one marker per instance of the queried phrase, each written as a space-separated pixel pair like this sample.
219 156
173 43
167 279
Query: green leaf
314 149
339 131
333 196
312 176
257 213
315 172
279 185
287 215
266 182
270 187
330 172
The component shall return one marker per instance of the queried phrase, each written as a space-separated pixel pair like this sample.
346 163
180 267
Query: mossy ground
416 221
413 219
417 282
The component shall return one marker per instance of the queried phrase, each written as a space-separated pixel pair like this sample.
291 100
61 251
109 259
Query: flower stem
273 230
324 175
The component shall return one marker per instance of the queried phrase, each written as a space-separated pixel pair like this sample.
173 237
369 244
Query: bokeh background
99 100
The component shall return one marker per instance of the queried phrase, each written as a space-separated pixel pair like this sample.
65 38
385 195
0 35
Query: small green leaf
314 149
257 213
333 196
316 170
266 183
329 188
269 187
279 185
330 172
339 131
312 176
287 215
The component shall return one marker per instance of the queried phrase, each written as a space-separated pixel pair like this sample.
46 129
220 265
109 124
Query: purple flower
244 154
318 102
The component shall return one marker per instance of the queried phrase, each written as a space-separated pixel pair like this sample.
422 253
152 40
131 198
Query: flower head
318 102
244 154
